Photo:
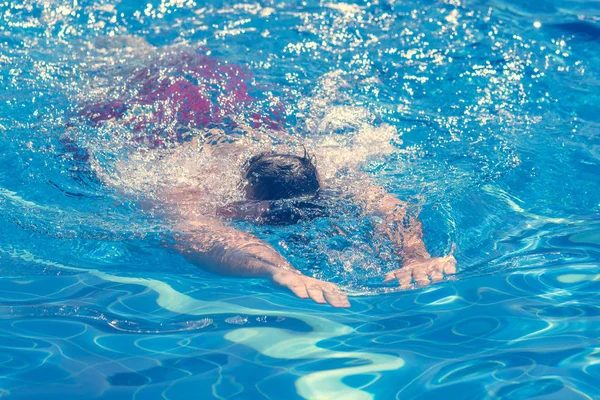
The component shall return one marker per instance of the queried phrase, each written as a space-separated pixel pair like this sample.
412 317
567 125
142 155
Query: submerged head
272 176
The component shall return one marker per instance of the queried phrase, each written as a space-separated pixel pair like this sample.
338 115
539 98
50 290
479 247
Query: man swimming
282 188
256 173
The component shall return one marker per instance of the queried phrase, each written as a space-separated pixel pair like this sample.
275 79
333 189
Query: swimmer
284 188
191 184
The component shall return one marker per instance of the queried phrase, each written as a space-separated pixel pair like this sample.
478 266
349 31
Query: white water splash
344 135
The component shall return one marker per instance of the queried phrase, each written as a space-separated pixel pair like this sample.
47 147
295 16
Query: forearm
224 250
413 247
212 244
404 231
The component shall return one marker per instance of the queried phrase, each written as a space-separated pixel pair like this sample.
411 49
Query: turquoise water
495 112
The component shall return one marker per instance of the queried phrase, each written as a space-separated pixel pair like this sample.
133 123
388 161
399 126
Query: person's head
272 176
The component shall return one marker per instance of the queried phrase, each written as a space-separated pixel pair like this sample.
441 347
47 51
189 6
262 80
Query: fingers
299 290
334 295
317 295
436 274
390 277
318 291
420 277
337 299
424 273
404 277
450 267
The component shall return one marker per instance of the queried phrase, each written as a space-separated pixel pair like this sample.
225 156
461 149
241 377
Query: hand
423 270
305 287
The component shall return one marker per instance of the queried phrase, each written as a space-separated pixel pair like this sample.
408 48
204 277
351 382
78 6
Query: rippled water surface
489 114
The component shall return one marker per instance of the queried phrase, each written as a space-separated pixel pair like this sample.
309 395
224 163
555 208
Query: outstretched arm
406 233
213 245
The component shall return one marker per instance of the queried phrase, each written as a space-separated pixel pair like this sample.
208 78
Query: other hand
424 271
305 287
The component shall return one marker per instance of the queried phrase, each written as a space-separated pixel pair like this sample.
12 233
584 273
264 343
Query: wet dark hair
273 176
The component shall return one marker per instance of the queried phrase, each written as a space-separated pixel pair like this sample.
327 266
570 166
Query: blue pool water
495 107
